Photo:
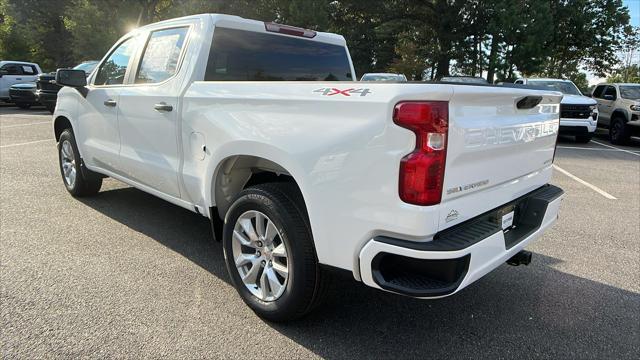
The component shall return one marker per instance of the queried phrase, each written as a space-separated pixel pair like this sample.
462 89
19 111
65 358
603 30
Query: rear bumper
460 255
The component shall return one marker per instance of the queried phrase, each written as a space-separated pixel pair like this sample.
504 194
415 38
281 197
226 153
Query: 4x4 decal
344 92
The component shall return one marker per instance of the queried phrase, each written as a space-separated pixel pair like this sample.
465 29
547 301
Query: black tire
22 105
86 182
307 283
584 138
619 132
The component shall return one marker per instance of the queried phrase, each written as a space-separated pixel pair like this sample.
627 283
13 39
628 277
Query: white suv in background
16 72
578 113
619 106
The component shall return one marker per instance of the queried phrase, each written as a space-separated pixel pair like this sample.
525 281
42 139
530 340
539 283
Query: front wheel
619 133
269 252
78 182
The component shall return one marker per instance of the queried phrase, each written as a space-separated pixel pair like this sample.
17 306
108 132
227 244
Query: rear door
606 104
148 121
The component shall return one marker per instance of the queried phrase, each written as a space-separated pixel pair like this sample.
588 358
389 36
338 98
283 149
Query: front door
97 128
148 118
607 104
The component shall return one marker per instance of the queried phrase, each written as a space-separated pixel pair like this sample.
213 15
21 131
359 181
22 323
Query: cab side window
611 91
161 54
29 70
11 69
114 68
598 92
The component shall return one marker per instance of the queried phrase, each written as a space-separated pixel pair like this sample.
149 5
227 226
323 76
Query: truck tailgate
495 144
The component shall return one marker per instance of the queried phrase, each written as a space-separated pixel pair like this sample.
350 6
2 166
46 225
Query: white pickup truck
414 188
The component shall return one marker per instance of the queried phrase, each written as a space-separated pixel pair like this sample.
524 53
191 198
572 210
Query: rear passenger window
113 70
11 69
28 70
238 55
597 93
161 55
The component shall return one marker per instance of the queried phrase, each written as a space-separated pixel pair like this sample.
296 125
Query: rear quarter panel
343 151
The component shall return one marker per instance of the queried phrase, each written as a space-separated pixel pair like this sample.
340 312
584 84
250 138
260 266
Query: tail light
422 171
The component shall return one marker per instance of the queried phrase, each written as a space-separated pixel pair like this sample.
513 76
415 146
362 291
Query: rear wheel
270 254
619 132
22 105
78 181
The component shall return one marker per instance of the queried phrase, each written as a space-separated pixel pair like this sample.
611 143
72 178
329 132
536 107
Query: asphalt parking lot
126 275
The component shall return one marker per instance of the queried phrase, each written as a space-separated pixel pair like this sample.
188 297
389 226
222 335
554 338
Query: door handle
109 103
163 107
18 78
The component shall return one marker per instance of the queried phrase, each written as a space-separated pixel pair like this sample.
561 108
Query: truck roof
240 23
17 62
546 79
623 84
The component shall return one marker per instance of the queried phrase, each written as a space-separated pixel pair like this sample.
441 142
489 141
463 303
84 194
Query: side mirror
609 97
72 78
3 72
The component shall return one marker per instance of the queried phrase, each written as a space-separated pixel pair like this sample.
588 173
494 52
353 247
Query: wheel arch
620 113
60 123
236 172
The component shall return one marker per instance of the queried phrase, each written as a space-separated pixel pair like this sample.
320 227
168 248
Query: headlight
593 108
635 107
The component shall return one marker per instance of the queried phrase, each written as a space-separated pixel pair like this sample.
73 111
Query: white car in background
578 113
389 77
16 72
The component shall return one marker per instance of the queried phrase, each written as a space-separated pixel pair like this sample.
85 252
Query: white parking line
590 186
26 143
613 147
585 148
37 123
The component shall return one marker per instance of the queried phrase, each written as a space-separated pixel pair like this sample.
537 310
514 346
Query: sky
634 11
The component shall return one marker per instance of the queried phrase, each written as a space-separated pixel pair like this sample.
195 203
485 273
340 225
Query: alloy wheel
68 163
260 255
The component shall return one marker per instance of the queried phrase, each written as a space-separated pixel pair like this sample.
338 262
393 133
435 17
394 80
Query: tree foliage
498 39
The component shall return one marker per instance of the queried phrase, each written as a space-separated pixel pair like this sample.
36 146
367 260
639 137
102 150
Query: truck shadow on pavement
534 311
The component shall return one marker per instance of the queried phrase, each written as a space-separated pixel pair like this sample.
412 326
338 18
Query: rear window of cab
238 55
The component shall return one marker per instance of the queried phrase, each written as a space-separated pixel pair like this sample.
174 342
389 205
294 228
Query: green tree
585 32
428 38
13 41
627 74
39 26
